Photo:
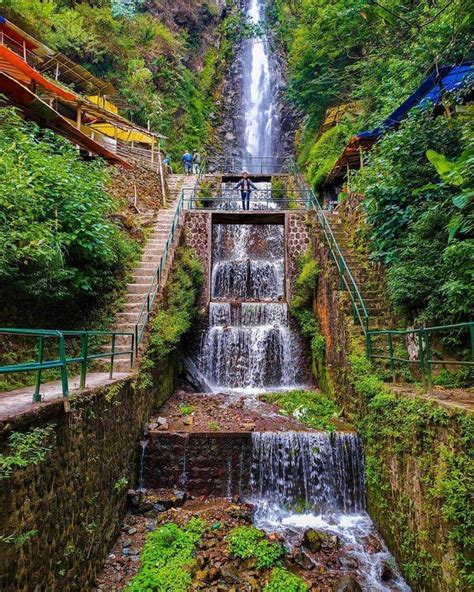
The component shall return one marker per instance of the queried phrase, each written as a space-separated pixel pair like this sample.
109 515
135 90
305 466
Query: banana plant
457 173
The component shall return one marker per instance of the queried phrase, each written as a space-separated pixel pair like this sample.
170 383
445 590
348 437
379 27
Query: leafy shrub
167 558
310 407
28 448
56 241
248 542
174 319
282 580
325 152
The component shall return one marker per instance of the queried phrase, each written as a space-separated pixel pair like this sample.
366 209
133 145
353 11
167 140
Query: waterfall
261 125
301 480
318 472
249 342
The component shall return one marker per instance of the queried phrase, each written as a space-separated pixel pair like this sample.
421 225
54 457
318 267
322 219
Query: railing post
341 274
471 330
112 356
422 355
136 340
36 396
132 349
62 357
392 361
84 352
429 376
368 342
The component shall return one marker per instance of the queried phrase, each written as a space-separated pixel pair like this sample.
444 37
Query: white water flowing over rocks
302 480
260 114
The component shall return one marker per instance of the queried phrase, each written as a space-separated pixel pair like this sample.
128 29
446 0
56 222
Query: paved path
20 401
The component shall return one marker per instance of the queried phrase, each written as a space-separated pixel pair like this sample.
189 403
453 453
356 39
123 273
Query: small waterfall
143 446
317 472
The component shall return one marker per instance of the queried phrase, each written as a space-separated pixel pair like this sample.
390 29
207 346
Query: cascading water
301 480
249 342
261 125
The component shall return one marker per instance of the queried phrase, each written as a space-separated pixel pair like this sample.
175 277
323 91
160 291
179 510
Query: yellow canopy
102 102
121 134
113 131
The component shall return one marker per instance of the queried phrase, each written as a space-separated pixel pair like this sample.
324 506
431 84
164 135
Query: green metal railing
346 278
63 361
150 297
422 338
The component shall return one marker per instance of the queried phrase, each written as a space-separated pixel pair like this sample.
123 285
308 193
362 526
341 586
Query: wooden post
361 156
160 170
348 173
152 157
56 74
24 50
79 116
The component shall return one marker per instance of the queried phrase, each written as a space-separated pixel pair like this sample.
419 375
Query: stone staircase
145 272
373 302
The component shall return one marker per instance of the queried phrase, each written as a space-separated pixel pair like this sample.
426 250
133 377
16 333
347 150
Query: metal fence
254 165
62 361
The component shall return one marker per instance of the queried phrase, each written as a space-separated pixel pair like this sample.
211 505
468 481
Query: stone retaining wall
199 463
198 236
297 239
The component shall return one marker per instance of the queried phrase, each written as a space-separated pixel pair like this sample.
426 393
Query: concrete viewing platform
17 402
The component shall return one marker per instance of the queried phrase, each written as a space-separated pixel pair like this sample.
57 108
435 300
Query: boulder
348 584
316 540
386 573
230 574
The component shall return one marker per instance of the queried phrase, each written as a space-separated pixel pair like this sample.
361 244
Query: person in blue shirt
188 162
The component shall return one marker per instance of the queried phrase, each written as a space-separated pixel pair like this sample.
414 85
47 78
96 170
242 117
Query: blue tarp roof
445 79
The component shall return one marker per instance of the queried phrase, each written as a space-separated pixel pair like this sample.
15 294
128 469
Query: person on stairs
245 185
196 161
188 162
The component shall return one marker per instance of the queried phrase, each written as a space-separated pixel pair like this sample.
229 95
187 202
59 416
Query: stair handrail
150 297
346 278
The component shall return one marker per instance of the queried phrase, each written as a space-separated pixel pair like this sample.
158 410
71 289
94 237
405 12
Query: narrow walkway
145 272
14 403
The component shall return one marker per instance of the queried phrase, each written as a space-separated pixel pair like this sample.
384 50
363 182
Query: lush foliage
26 448
56 241
410 428
248 542
301 305
167 558
174 318
282 580
418 181
310 407
154 62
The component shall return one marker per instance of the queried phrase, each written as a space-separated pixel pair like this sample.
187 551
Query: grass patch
309 407
168 558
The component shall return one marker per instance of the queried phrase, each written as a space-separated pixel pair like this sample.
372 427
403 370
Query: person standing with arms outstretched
245 185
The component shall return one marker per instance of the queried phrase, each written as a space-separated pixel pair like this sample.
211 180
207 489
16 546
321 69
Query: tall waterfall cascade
261 125
249 343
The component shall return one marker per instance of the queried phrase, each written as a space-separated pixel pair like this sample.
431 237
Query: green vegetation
28 448
301 305
160 58
168 557
409 427
186 409
248 542
57 242
310 407
282 580
416 228
175 316
366 58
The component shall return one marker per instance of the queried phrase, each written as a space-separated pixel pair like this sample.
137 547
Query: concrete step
134 307
138 288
